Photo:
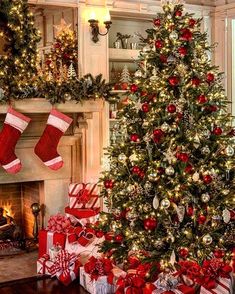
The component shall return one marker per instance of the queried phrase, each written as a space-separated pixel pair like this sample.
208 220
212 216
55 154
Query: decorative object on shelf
35 207
133 45
125 78
123 39
95 29
117 44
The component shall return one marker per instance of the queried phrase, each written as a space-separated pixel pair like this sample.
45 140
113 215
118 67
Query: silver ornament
165 203
229 151
207 239
171 59
155 202
67 97
226 216
122 157
138 73
165 127
205 197
173 35
206 150
170 171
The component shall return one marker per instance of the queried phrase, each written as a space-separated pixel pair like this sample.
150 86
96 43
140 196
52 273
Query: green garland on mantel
18 63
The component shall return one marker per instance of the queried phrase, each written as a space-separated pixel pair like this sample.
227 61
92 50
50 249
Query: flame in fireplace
7 206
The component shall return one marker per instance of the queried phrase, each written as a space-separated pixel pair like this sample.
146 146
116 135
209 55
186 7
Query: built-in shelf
123 54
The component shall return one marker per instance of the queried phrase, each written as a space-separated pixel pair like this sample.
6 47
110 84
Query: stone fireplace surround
81 149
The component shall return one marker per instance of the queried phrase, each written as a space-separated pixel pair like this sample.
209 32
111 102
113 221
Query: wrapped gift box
47 239
44 264
82 213
84 252
224 286
100 286
83 221
83 195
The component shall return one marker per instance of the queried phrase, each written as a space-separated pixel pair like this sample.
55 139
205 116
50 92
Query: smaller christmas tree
125 78
63 57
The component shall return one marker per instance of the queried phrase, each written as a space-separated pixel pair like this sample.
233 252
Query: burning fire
7 206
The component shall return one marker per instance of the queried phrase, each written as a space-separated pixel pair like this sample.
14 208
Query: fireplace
16 200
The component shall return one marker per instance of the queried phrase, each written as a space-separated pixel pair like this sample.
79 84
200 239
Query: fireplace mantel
81 149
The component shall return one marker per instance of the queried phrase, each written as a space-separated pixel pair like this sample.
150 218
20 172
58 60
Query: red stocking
14 125
46 148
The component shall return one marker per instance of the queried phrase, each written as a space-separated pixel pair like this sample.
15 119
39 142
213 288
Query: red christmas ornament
66 56
158 133
171 108
118 238
157 22
213 108
192 22
202 99
99 234
124 86
141 174
196 81
183 157
210 78
201 219
174 81
186 35
133 88
178 13
182 51
134 137
217 131
159 44
145 107
108 184
219 253
188 169
190 211
135 169
160 170
150 224
108 236
163 58
183 252
207 179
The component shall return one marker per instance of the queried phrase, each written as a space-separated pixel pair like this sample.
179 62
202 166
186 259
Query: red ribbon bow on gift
212 270
97 267
83 236
190 271
84 195
133 284
63 262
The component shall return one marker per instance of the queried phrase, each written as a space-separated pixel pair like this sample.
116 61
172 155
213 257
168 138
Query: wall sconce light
94 24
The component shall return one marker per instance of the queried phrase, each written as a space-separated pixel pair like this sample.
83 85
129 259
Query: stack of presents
68 250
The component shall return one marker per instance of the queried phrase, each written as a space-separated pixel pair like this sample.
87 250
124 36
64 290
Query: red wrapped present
82 212
83 221
83 196
47 239
65 267
82 235
44 264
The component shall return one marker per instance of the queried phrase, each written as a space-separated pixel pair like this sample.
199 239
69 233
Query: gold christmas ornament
207 239
122 157
165 203
170 171
205 197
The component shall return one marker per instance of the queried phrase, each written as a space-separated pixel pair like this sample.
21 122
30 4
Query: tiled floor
18 267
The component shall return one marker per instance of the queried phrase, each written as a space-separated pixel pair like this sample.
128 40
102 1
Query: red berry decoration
217 131
150 224
190 211
201 219
202 99
171 108
192 22
118 238
158 44
219 253
183 252
174 81
182 51
141 174
134 137
186 35
196 81
207 179
99 234
108 184
183 157
135 169
163 58
188 169
178 13
210 78
157 22
145 107
133 88
213 108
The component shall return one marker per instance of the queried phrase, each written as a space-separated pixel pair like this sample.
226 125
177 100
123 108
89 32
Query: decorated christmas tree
170 186
63 57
